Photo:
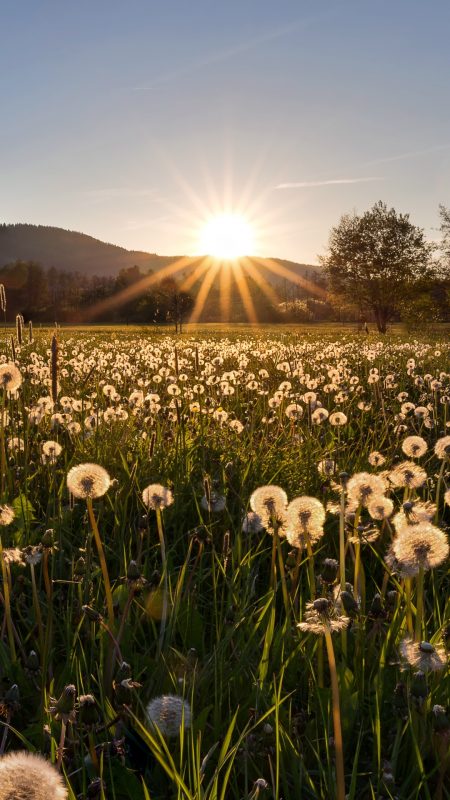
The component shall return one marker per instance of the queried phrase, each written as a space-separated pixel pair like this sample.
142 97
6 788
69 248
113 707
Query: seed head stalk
338 745
342 559
7 598
419 605
165 577
101 555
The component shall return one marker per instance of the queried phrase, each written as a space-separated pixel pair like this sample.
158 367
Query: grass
262 695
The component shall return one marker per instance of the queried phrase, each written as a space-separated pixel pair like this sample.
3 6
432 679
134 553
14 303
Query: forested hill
71 251
76 252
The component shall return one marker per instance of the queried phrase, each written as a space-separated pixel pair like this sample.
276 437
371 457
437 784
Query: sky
137 121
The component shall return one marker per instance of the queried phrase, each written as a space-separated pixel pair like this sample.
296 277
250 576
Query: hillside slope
76 252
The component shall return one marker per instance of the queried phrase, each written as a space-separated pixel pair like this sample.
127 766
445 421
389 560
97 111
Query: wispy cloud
335 182
218 55
410 154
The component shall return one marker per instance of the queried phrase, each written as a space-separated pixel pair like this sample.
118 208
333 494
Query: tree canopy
375 259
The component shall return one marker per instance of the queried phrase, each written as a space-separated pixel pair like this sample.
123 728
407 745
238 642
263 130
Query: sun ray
203 293
136 289
196 274
283 272
263 284
225 291
242 285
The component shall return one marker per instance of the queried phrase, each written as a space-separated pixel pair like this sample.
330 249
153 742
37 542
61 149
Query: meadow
224 563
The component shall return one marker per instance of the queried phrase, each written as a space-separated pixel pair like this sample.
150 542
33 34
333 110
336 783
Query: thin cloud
411 154
239 48
336 182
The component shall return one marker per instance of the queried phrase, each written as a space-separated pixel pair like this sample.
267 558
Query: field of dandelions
224 566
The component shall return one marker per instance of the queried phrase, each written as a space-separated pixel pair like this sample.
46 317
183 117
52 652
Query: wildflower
322 614
294 411
414 446
423 655
338 419
64 708
304 516
380 507
376 459
420 546
169 713
88 710
157 496
50 452
26 776
88 481
213 502
319 415
409 474
362 487
442 447
326 467
32 554
270 503
10 377
252 523
7 515
413 513
12 555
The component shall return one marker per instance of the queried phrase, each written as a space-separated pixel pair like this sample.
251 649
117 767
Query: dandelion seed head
27 776
442 447
423 655
10 377
320 615
363 487
7 514
168 713
270 503
380 507
88 481
376 459
408 474
157 496
421 546
414 446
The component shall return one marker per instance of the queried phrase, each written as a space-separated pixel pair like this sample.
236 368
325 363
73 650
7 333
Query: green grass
259 688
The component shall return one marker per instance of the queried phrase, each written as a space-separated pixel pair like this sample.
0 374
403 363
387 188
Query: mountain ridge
74 251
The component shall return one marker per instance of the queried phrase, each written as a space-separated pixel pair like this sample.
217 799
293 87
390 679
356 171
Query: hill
71 251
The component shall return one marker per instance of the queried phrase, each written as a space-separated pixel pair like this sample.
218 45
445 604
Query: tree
376 259
174 304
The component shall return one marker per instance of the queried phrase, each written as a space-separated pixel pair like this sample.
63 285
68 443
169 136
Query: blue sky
134 121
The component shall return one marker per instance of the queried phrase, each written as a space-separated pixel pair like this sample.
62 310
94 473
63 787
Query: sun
227 237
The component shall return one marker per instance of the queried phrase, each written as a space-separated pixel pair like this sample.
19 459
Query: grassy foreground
113 599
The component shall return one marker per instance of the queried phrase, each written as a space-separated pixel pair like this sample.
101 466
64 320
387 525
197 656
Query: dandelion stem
6 594
419 605
338 745
101 555
438 489
282 574
409 622
2 445
165 577
37 609
312 577
62 740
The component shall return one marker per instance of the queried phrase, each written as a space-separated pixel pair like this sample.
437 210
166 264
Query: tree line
378 267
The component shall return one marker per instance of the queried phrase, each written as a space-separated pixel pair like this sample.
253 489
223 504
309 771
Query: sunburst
230 238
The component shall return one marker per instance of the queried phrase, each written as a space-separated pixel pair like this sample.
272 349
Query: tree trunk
380 319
